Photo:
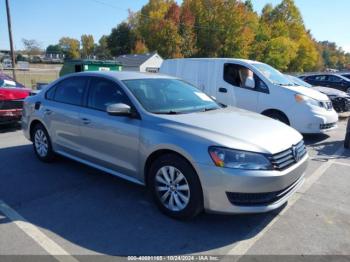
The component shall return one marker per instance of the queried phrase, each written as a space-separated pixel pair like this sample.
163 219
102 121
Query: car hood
235 128
330 91
308 92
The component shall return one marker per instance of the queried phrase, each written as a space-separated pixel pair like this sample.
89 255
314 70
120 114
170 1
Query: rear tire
175 187
42 144
277 116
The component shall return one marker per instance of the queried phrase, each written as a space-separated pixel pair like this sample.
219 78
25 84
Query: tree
121 40
187 31
158 25
101 50
88 46
70 47
32 47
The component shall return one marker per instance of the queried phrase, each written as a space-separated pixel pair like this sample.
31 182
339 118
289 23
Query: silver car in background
192 153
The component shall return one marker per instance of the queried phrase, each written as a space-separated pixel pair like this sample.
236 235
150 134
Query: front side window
237 75
70 90
334 79
104 92
169 96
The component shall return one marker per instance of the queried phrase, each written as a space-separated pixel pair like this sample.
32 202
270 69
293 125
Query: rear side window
51 93
104 92
320 78
70 90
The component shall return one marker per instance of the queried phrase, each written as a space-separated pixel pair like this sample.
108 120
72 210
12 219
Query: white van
257 87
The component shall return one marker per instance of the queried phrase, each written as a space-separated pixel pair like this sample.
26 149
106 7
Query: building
149 62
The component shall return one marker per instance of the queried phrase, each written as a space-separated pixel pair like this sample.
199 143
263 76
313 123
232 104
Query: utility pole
10 36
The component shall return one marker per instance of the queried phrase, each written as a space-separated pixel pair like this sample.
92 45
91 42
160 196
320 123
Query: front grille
259 199
289 157
327 126
11 104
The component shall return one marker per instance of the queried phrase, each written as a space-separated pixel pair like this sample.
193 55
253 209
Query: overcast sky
48 20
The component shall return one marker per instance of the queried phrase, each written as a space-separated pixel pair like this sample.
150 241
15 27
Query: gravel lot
68 208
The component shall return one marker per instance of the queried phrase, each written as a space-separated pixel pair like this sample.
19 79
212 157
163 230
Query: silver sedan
191 152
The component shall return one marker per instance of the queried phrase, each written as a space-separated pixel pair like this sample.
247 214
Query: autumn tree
187 31
88 46
159 27
70 47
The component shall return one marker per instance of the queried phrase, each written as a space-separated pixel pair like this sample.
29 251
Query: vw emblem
295 153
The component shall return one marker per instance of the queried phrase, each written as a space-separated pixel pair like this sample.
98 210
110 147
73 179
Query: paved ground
68 208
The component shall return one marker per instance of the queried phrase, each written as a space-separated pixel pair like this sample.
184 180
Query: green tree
101 50
88 46
121 40
70 47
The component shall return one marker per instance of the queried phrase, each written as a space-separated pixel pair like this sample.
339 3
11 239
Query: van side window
236 75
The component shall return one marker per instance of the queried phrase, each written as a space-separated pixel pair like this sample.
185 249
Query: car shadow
91 211
6 128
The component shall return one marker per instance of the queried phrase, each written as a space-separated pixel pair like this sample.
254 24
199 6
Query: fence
32 76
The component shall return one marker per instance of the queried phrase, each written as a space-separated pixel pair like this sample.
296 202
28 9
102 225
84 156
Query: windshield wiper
209 109
171 112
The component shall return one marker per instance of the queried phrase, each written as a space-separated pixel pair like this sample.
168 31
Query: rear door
61 113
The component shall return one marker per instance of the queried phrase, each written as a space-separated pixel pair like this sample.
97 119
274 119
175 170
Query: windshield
298 81
169 96
273 75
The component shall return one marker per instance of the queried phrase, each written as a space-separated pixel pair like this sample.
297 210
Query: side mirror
119 109
250 82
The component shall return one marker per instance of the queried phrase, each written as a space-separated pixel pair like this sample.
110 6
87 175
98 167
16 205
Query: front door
109 141
233 91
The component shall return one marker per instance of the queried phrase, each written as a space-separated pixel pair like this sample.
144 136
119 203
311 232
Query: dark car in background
340 99
331 80
345 74
12 95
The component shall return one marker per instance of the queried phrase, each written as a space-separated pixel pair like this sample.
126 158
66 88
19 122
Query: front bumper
313 122
218 182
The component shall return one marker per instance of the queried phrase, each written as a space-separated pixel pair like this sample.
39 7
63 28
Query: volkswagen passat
192 153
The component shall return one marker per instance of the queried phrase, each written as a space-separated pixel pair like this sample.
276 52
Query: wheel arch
32 125
269 111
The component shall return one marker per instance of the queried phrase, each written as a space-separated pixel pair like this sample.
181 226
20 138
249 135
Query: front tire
278 116
42 144
175 187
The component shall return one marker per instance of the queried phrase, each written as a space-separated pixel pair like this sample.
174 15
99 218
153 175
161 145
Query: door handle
222 90
48 112
86 121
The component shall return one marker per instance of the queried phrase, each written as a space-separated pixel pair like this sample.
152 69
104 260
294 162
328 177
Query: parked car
257 87
11 99
346 74
162 132
340 100
331 80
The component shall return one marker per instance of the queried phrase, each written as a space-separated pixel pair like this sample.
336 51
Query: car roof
217 59
124 75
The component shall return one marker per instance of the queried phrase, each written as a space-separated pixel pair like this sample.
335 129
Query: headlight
231 158
308 100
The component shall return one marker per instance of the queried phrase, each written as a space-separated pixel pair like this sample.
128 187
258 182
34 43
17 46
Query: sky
48 20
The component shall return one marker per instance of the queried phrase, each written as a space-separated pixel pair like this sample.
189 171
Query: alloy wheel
41 143
172 188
